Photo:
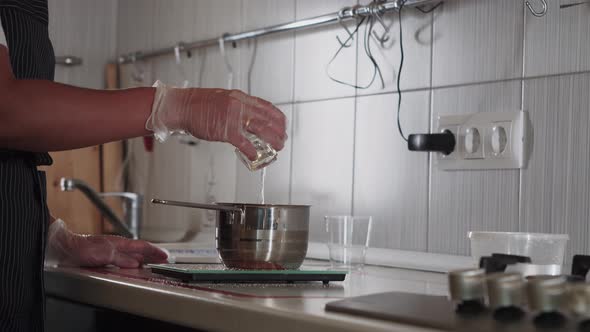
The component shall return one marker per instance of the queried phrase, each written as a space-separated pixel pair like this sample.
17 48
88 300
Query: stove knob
467 285
506 296
578 299
505 290
546 293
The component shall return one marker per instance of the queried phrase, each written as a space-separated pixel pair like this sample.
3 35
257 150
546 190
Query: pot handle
198 206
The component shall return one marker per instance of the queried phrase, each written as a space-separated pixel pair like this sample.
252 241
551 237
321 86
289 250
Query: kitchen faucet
134 206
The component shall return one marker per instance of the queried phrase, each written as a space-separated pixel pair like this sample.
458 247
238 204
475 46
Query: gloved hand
216 115
69 249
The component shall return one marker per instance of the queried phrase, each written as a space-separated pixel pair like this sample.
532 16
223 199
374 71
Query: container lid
478 234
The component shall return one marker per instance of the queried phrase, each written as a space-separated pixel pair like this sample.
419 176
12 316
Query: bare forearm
38 115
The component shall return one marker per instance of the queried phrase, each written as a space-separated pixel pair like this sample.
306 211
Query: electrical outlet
472 137
498 136
486 140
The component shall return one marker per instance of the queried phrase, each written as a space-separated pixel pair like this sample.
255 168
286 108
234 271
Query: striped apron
23 209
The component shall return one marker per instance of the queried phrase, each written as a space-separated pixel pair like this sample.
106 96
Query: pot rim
262 205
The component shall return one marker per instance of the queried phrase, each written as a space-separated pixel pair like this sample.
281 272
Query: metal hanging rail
344 14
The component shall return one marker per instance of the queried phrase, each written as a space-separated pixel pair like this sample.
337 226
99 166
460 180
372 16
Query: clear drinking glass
265 154
349 238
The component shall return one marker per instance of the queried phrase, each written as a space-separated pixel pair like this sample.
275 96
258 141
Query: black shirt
25 25
36 9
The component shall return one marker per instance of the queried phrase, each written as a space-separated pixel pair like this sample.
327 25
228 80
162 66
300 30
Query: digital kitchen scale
219 274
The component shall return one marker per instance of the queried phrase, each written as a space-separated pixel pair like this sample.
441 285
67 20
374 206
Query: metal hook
177 49
376 10
350 34
380 20
535 13
384 38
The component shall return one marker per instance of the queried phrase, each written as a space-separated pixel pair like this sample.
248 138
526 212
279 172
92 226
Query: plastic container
541 248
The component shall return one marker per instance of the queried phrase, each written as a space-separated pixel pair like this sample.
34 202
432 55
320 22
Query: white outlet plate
514 156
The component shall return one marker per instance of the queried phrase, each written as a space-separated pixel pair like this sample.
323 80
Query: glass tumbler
349 238
265 154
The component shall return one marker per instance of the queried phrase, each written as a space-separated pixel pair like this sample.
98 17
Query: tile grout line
240 57
568 158
440 87
293 115
354 119
429 157
522 92
354 136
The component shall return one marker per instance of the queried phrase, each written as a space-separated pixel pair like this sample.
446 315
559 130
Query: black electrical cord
430 10
369 23
369 53
399 72
342 46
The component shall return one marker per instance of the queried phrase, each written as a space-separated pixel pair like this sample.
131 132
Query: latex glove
216 115
67 248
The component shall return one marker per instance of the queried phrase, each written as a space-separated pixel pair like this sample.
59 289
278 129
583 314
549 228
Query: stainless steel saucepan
258 236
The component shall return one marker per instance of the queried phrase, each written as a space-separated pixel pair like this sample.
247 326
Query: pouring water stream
262 176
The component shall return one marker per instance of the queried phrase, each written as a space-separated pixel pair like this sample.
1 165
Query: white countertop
243 307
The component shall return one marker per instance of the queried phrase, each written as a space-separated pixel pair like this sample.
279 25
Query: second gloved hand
67 248
216 115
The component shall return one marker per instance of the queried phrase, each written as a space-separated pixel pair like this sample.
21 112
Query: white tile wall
477 40
134 25
323 138
213 19
558 42
134 16
390 182
203 173
86 29
213 165
270 57
417 42
166 180
277 178
463 201
168 28
474 45
313 51
212 178
556 185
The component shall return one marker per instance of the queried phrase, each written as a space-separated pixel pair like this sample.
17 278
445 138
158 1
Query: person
38 115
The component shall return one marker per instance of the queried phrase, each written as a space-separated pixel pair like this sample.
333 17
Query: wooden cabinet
73 207
100 167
